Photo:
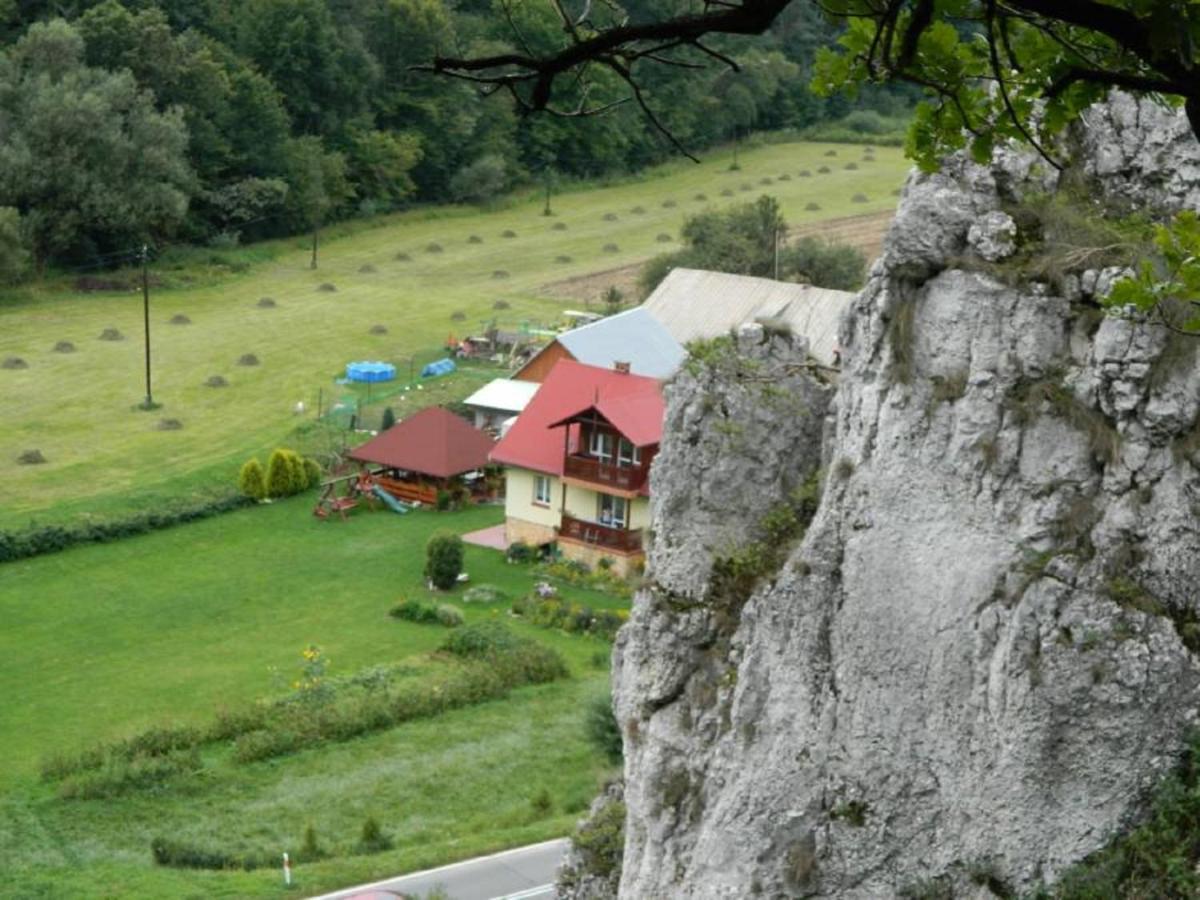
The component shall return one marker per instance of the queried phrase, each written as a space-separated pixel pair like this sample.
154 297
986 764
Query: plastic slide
389 499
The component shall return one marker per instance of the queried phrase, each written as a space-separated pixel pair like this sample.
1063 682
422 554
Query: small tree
612 298
389 419
296 472
312 472
443 559
251 481
279 474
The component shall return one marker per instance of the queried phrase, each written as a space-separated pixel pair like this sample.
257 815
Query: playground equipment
390 501
370 371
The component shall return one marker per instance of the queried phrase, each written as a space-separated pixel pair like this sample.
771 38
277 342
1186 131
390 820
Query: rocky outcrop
974 661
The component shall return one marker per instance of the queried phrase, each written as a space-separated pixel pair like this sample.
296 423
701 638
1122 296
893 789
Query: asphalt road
526 873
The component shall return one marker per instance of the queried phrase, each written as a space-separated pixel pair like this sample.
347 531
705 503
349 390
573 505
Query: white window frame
600 445
613 519
541 497
627 454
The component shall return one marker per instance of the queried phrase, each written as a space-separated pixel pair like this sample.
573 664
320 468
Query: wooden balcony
620 540
606 474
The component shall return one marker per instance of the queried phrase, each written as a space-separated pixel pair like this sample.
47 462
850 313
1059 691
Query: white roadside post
287 870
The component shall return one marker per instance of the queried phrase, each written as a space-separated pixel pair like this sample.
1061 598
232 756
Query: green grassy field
100 642
105 457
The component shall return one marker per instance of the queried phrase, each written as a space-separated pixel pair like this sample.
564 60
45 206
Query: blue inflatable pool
370 371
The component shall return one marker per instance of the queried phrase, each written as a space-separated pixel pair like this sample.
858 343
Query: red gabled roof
633 403
433 442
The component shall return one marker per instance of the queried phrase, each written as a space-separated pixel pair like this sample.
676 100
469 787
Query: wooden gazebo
428 452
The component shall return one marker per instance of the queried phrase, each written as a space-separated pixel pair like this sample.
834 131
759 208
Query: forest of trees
234 120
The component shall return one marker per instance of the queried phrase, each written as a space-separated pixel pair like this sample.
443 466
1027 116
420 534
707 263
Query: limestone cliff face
976 657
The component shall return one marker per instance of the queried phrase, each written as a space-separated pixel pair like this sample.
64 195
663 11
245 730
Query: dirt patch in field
865 233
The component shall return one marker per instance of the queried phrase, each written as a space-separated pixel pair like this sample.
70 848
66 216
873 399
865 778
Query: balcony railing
588 468
594 534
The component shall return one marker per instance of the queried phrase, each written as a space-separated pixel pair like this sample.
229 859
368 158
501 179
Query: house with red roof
577 463
425 453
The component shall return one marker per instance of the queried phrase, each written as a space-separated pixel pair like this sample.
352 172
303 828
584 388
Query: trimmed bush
252 481
443 559
285 474
521 552
312 472
449 616
413 610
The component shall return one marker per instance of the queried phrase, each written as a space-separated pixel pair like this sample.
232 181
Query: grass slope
176 624
105 457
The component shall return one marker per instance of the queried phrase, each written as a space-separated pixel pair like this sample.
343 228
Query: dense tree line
216 120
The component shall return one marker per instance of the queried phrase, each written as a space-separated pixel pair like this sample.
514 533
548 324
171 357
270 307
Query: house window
627 454
613 511
602 445
541 490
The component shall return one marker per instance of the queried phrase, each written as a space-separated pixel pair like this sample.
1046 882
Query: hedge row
570 617
491 662
35 541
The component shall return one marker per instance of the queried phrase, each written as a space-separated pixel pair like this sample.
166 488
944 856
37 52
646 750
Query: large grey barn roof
633 336
692 304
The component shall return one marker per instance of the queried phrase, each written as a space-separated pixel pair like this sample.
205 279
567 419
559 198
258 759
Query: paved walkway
526 873
487 537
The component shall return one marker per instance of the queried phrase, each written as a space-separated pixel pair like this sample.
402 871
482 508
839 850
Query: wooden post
146 313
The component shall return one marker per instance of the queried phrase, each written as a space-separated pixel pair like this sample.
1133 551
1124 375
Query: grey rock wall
976 659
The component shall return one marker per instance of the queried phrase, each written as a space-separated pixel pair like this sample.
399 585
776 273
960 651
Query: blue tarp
441 367
370 371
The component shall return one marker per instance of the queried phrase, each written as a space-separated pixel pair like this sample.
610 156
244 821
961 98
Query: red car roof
632 403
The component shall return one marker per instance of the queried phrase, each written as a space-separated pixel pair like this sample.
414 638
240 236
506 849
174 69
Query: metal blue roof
633 336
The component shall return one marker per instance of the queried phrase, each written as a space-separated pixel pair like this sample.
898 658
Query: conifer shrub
373 839
443 559
312 472
279 474
388 420
252 481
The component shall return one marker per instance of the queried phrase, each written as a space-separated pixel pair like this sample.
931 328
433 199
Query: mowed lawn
100 642
104 456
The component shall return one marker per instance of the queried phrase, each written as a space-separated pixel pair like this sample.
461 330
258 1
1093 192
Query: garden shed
431 451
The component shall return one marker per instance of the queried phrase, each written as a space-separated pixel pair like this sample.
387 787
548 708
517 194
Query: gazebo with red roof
427 452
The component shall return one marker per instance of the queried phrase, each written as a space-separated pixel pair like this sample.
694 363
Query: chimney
621 367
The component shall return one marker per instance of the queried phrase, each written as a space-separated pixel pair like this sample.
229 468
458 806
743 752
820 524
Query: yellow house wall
518 498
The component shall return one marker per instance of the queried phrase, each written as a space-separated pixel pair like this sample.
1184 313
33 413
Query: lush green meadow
104 456
101 642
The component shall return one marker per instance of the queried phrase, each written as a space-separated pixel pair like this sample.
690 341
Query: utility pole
735 166
149 402
777 254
